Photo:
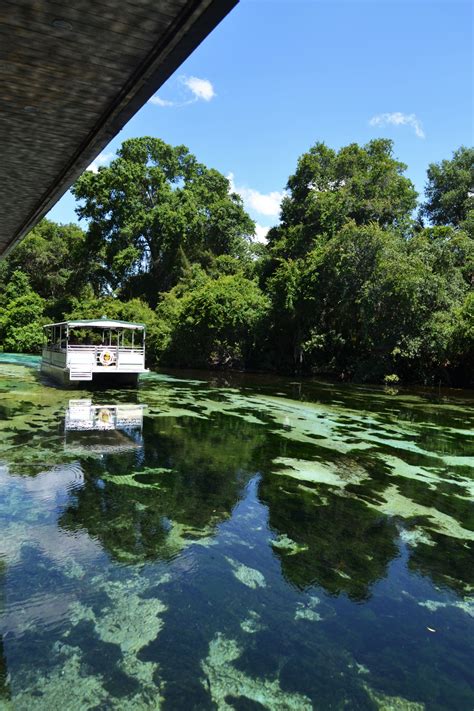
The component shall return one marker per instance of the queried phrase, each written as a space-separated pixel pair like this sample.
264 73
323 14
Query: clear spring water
237 543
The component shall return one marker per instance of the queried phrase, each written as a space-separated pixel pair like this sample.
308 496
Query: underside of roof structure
71 75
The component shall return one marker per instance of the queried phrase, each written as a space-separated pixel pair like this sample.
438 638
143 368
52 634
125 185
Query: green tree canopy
450 189
463 340
329 188
368 303
21 316
214 324
349 285
52 257
154 210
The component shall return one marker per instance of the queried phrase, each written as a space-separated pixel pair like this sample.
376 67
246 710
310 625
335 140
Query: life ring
105 416
106 357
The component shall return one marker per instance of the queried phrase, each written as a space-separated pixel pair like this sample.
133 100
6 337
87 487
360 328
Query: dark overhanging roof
71 75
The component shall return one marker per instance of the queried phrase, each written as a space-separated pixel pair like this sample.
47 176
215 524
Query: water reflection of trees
188 477
344 546
449 563
189 474
446 559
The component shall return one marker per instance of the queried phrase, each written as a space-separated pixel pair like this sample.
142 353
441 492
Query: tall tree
213 322
154 210
52 256
21 316
368 303
329 188
450 189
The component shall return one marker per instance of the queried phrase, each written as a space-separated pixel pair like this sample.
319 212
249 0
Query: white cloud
200 89
260 233
102 159
397 118
263 203
158 101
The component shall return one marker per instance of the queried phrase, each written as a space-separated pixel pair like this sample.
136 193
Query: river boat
104 351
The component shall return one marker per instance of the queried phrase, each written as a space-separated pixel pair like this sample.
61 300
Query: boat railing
104 346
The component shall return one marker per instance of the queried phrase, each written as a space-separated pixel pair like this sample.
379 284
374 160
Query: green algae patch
287 545
415 536
63 682
338 474
395 504
252 623
250 577
148 478
462 486
467 462
224 679
307 610
466 606
181 536
68 686
399 467
30 435
392 703
130 620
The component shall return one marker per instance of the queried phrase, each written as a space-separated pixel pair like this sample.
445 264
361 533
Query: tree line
358 281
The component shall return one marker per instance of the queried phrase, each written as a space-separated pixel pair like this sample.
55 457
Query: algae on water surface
257 544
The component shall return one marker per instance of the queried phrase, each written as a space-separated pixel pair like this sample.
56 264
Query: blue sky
279 75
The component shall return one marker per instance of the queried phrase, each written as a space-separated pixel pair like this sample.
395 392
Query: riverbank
303 383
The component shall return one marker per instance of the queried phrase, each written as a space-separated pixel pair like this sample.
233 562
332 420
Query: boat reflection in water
106 429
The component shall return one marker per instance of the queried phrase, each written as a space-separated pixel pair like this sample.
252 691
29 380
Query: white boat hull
107 377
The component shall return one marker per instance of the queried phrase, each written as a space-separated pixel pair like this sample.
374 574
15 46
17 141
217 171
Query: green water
254 543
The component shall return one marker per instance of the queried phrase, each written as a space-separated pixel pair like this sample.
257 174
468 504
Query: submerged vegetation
349 284
252 543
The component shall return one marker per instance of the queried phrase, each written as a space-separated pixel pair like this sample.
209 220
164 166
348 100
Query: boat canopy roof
98 323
